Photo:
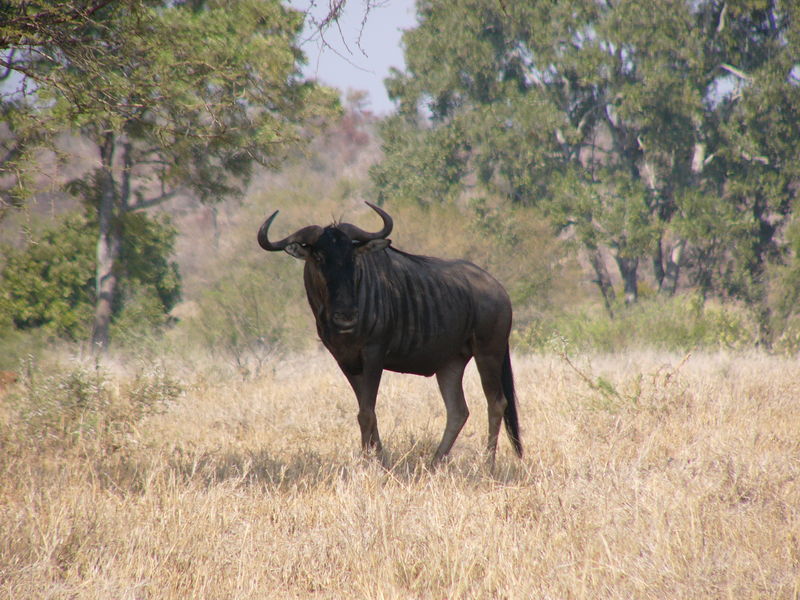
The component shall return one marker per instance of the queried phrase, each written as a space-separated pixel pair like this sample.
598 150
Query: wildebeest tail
510 416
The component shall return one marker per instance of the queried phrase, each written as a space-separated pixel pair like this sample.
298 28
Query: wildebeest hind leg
449 380
490 370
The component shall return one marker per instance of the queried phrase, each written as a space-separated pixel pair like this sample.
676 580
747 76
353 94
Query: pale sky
359 57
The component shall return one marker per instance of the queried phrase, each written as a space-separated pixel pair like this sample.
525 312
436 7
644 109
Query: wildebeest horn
306 235
359 235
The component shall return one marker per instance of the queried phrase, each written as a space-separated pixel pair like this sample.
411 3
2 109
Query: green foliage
642 128
612 211
424 165
50 283
211 86
681 323
145 267
188 95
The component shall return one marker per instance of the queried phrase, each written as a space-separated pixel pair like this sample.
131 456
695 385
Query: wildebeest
379 308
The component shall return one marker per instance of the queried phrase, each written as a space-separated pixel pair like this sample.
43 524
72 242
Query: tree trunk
108 247
215 226
628 268
670 282
658 263
603 280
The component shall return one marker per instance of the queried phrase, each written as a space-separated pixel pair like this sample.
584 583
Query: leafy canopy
206 88
642 128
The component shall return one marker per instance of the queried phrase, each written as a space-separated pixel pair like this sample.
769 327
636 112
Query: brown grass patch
644 477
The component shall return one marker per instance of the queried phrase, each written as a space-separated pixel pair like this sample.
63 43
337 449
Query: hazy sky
359 57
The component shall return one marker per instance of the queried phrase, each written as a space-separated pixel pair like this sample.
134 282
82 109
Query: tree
174 96
622 119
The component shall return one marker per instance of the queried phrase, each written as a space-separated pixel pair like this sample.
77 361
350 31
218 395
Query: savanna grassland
646 475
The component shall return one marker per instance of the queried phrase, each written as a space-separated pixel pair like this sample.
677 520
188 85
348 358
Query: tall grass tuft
83 405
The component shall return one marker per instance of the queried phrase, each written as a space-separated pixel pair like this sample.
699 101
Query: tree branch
46 24
737 72
155 201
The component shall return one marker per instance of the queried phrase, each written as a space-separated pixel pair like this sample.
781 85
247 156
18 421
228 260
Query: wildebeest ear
373 246
298 250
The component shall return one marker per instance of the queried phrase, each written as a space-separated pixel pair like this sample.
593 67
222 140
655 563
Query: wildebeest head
331 254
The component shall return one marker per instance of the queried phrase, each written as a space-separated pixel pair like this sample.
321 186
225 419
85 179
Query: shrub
50 284
79 404
680 323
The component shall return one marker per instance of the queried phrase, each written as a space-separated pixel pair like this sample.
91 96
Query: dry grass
645 477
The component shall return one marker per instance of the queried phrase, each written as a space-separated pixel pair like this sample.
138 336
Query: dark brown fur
379 308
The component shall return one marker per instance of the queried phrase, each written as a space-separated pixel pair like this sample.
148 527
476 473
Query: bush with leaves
681 323
50 283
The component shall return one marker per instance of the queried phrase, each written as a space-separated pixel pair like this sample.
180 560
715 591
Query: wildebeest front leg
365 385
449 380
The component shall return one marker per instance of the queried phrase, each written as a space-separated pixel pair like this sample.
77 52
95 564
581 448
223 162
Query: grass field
645 476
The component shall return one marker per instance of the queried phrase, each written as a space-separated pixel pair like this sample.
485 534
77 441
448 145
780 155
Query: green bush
681 323
50 284
146 269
